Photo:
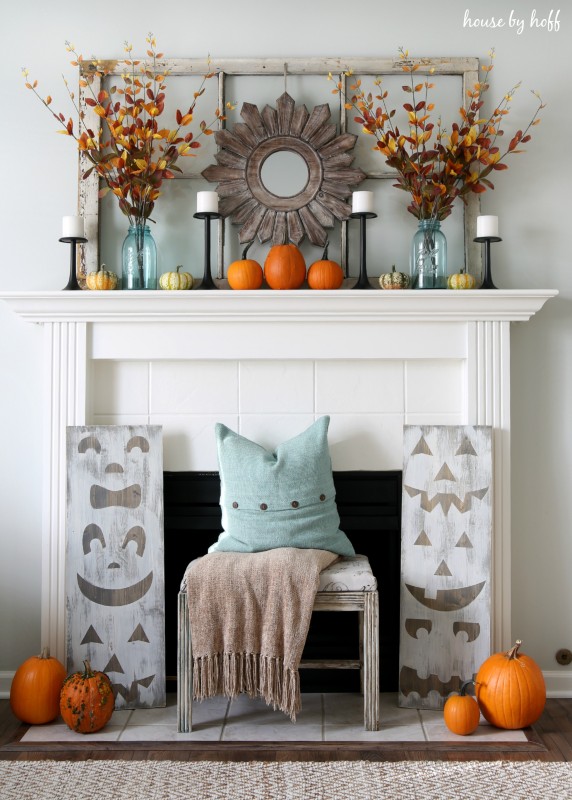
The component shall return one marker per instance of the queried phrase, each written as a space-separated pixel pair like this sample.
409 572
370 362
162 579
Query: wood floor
549 740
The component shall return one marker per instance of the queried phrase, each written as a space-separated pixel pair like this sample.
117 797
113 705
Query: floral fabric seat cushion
347 574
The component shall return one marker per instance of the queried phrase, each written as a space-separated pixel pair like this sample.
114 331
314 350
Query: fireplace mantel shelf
226 305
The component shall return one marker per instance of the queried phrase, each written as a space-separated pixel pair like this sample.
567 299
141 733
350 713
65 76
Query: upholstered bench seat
346 585
347 574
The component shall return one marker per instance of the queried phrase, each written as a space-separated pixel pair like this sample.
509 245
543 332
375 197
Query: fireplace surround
267 364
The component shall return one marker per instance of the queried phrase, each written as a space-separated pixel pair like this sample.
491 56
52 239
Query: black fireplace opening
369 505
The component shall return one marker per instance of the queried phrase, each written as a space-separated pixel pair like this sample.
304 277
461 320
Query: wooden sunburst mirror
249 202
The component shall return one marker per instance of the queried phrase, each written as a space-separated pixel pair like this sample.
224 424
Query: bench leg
371 661
184 668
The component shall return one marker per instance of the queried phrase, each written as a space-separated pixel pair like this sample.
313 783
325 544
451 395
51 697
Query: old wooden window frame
465 67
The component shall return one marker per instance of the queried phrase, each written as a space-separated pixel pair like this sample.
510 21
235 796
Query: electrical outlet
564 657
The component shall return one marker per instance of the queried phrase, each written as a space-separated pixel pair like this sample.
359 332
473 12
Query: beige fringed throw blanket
249 615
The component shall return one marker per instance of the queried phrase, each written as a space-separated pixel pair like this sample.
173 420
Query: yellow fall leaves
119 131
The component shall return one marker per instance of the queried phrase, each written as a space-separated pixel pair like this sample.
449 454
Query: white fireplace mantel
398 330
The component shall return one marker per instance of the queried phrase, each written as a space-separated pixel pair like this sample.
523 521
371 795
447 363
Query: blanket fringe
231 674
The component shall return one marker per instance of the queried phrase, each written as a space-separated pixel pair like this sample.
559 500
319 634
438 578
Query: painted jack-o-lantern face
445 592
112 555
115 614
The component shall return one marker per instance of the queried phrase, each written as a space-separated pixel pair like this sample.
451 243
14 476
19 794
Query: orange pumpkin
284 267
325 274
86 700
35 690
246 273
510 689
461 712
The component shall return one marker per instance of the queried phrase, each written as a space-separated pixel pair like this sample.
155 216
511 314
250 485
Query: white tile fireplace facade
268 364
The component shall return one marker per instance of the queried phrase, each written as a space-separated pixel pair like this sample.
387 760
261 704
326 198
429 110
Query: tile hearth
324 718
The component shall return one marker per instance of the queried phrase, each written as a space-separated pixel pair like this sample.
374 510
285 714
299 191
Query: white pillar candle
362 202
207 203
73 228
487 226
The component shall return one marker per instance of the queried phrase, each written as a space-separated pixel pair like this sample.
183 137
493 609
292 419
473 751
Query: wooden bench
347 585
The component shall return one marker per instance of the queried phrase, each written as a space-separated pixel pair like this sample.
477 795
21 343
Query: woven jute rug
338 780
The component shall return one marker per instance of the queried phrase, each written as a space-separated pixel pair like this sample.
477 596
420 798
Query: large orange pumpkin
86 700
325 274
246 273
35 690
461 712
284 267
510 689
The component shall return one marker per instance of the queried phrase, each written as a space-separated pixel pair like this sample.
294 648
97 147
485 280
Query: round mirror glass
284 173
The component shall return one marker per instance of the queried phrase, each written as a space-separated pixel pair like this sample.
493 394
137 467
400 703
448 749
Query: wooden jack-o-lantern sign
446 560
115 559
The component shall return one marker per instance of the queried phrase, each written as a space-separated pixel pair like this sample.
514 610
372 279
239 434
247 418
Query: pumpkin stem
179 267
325 253
246 249
45 652
102 268
513 652
88 672
393 268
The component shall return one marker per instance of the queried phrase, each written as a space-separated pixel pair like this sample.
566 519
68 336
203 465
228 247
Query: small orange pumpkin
461 712
246 273
284 267
510 689
35 690
86 700
325 274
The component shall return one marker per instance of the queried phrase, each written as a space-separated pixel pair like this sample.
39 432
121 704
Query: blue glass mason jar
139 259
429 256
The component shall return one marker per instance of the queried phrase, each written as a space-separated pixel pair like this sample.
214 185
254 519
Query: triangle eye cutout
464 541
91 635
138 635
423 540
421 448
466 448
445 474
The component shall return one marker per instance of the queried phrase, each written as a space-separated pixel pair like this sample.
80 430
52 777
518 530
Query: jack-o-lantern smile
447 599
446 499
115 597
409 681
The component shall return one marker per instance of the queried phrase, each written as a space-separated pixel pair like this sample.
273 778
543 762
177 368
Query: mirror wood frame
465 67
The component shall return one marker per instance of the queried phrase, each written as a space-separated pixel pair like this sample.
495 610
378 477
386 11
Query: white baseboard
5 683
558 683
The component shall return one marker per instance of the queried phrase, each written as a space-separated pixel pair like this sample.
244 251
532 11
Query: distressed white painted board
445 560
114 558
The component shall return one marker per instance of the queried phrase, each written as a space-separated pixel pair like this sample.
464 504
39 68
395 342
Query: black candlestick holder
362 281
73 241
486 240
207 281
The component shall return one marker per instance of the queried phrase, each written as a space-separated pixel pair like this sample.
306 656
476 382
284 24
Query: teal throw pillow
280 499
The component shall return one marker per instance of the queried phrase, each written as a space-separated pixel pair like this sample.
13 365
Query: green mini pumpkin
461 280
176 280
394 280
102 279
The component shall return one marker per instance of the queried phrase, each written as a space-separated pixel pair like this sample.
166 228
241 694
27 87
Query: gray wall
39 186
